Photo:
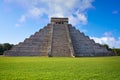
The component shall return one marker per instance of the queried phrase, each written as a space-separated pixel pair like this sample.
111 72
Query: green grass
61 68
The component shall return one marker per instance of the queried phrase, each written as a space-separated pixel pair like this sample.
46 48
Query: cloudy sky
99 19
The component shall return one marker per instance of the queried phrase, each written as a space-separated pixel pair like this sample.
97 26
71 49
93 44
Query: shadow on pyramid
58 38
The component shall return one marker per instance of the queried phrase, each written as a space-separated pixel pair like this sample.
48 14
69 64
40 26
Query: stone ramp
37 45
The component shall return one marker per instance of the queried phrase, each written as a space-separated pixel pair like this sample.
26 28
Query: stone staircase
60 43
58 40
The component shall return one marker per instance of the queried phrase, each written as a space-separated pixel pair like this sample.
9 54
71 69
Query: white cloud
111 41
82 18
75 10
107 34
35 12
17 25
115 12
22 19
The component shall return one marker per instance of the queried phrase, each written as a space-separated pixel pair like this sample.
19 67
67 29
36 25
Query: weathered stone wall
36 45
58 40
83 46
59 20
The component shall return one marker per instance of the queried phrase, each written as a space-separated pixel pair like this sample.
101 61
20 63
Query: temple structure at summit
58 38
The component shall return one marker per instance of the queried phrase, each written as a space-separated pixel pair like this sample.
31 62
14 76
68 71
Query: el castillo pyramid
58 38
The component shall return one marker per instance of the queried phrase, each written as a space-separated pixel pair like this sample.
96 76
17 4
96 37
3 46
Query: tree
7 46
107 47
4 47
1 49
116 51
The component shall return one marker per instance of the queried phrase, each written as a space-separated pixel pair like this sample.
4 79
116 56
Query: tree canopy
4 47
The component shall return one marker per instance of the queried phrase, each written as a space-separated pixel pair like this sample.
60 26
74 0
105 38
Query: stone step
37 44
60 43
58 40
83 45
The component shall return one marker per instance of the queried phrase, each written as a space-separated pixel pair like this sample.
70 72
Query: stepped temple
58 38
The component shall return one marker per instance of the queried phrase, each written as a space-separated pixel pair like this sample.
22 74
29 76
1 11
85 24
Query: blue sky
99 19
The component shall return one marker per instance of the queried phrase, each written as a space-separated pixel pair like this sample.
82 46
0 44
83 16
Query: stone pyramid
58 38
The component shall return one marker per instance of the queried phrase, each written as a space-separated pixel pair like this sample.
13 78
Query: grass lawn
59 68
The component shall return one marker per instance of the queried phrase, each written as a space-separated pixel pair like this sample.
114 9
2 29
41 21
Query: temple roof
56 20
